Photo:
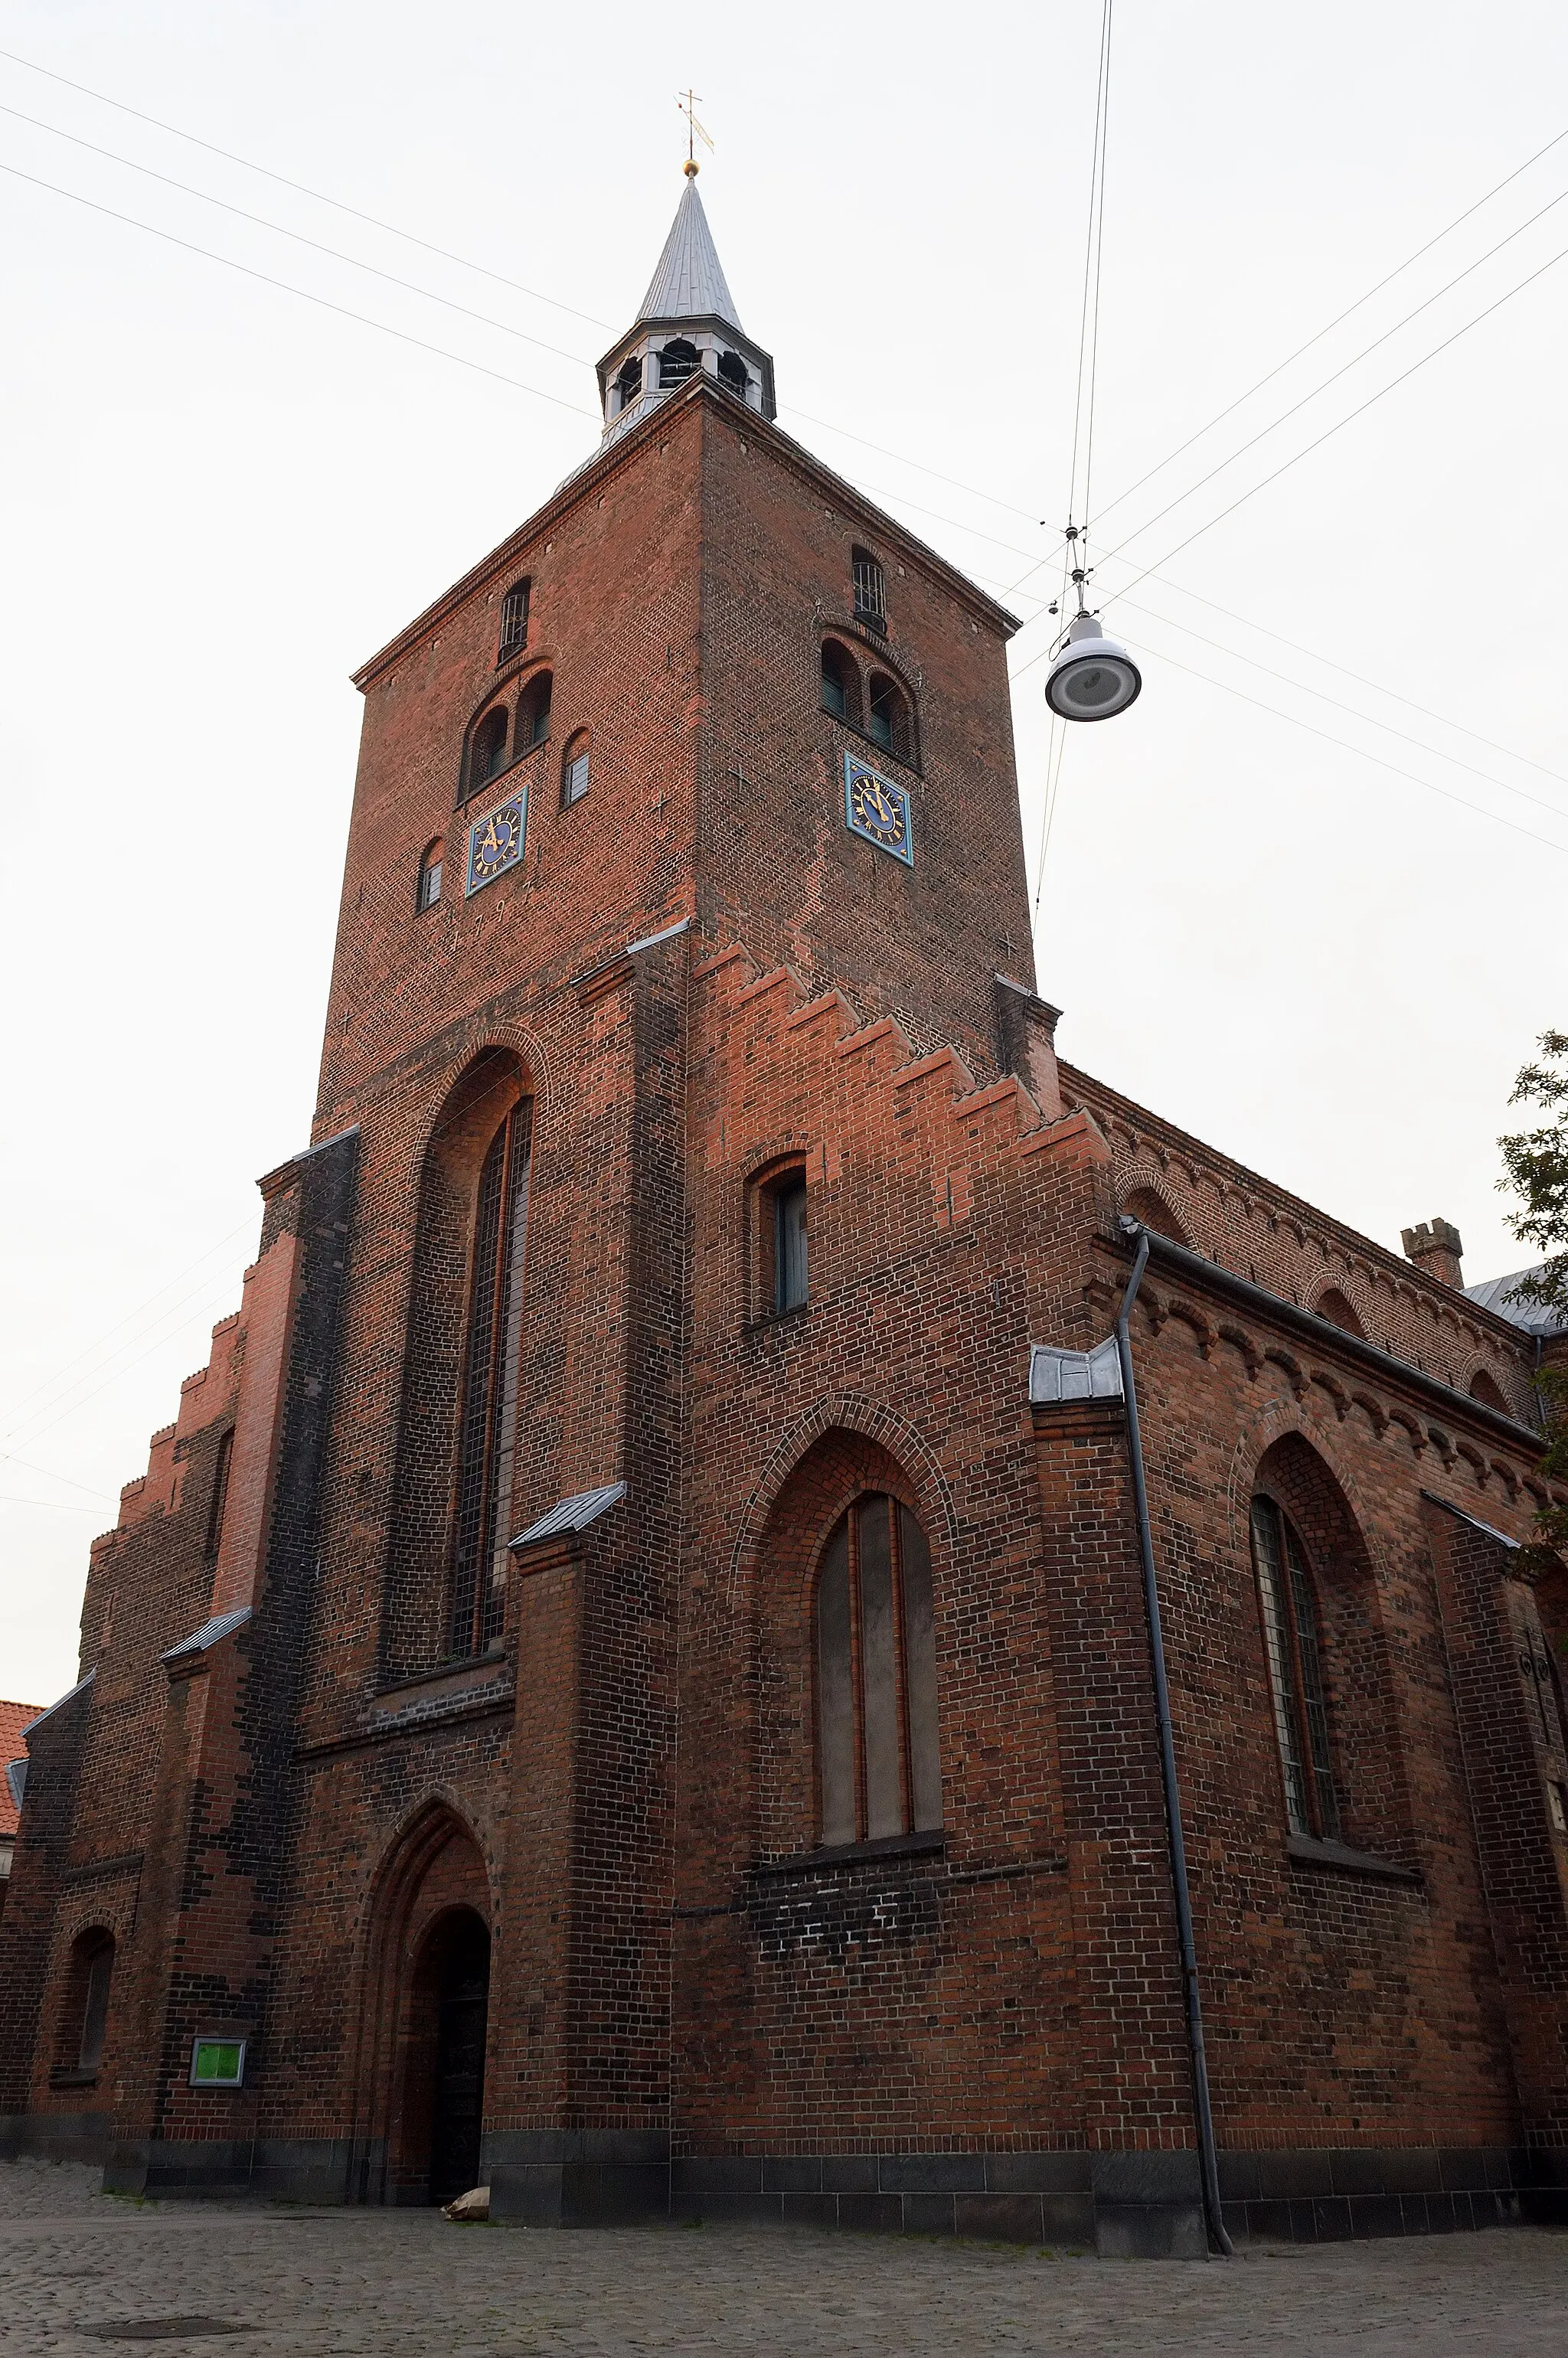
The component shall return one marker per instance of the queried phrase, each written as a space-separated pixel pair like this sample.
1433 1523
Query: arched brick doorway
446 2050
427 1990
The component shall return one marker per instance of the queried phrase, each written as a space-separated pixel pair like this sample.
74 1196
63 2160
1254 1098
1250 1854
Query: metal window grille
429 884
500 1221
870 592
1295 1672
514 622
573 781
878 1748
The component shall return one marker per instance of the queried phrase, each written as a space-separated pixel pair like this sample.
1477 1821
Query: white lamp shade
1092 678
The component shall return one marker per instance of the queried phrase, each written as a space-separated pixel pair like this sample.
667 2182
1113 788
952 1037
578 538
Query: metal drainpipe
1208 2164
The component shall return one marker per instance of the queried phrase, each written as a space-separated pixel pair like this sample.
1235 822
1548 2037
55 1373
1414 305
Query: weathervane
686 101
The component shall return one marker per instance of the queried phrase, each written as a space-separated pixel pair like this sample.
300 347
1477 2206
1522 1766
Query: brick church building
629 1678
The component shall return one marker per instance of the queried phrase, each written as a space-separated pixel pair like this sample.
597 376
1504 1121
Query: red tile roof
14 1717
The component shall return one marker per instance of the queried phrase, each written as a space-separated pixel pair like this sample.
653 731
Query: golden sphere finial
691 167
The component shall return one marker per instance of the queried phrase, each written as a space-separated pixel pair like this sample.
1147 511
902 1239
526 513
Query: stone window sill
1309 1852
865 1854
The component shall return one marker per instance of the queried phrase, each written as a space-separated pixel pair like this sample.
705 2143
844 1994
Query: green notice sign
218 2063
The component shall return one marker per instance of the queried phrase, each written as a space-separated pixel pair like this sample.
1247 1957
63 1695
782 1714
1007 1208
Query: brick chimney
1435 1247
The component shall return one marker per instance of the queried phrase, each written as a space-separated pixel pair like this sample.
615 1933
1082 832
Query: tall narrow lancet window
878 1763
1294 1651
487 1422
514 622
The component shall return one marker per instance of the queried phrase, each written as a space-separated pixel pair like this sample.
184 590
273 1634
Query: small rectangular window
429 885
575 784
217 2063
220 1493
789 1244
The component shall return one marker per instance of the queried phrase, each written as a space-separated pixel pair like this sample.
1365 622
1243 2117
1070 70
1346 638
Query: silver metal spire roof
690 282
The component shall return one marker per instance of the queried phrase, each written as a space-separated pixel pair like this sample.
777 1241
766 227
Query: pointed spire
689 281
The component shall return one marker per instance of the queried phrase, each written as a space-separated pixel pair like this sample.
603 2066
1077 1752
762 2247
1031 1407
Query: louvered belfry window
487 1425
1294 1651
879 1766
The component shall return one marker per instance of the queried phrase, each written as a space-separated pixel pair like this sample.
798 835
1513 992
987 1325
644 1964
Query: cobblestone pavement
299 2282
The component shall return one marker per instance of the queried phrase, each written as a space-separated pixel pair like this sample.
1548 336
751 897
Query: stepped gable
786 1071
204 1398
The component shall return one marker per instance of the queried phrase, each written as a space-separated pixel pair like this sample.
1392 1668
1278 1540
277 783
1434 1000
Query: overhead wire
286 286
1263 432
317 196
1360 410
1355 711
1361 753
259 221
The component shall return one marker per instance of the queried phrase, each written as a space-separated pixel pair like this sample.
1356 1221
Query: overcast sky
218 498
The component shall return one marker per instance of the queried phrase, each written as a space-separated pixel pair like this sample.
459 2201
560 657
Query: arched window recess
1293 1646
678 359
878 1763
487 1417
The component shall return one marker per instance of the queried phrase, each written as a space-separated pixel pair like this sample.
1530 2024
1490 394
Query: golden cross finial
686 101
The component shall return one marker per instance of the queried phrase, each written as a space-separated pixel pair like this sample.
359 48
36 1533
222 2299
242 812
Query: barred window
487 1422
514 622
879 1761
1294 1651
428 891
870 589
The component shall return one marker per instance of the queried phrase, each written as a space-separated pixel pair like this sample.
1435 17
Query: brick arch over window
849 1745
1339 1310
431 1870
850 1412
1146 1203
457 1411
1314 1594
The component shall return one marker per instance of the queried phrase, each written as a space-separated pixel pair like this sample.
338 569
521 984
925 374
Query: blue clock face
495 841
878 808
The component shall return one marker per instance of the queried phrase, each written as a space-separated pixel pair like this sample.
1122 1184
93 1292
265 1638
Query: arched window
678 361
1294 1651
514 622
428 891
1488 1391
487 754
878 1760
840 683
216 1511
732 374
92 1970
870 589
534 712
629 383
487 1420
888 719
574 769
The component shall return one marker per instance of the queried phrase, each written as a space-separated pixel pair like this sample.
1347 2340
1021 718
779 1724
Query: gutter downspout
1208 2162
